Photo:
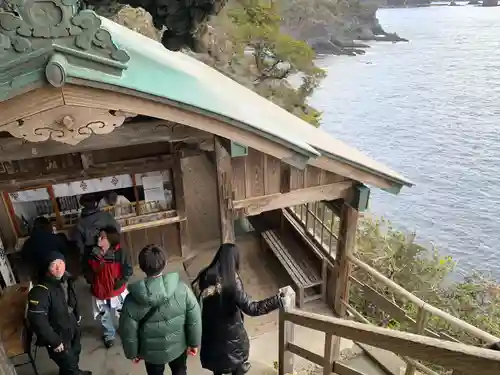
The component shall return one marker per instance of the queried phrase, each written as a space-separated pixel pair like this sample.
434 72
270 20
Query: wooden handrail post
328 355
420 325
285 360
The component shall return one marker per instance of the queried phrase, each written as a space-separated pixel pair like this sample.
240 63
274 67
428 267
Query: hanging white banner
93 185
29 195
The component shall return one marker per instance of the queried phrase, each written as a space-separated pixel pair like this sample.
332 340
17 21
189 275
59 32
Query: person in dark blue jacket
41 242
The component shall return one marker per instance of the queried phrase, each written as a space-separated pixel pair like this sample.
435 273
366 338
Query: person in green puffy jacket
160 321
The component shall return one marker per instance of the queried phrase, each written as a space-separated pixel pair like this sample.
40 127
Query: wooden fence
463 359
320 222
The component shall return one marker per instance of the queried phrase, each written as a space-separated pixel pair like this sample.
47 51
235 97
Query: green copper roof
189 81
152 69
60 47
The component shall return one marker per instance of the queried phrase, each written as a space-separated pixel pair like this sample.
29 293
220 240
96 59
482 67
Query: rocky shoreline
348 35
343 30
352 44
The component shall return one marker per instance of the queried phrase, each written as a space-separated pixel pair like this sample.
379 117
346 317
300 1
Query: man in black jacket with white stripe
54 317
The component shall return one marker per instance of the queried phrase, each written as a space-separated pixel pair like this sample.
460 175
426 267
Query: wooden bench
296 263
326 264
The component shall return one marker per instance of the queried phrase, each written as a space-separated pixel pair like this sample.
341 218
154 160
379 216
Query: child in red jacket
107 269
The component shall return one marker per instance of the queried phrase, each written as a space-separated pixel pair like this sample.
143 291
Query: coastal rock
407 3
334 27
329 47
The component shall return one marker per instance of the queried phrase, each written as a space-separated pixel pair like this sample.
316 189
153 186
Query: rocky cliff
334 26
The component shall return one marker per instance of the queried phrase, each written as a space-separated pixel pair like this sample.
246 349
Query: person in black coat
40 243
86 231
225 345
54 317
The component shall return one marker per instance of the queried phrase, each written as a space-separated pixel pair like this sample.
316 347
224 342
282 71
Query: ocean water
430 109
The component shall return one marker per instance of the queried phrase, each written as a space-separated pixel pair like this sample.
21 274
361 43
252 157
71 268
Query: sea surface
430 109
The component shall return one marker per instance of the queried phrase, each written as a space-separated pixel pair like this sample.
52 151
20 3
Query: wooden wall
258 174
167 237
200 191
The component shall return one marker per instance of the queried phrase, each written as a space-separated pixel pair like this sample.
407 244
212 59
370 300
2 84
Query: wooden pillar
345 246
180 204
286 334
224 189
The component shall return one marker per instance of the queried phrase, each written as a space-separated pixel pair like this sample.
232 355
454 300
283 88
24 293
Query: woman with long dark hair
225 345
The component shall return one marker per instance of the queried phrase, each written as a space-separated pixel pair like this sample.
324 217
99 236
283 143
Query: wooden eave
104 97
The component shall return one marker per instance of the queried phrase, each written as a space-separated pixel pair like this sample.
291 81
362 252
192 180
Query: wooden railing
425 311
461 358
312 217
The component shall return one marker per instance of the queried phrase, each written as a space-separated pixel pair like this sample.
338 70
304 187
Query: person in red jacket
107 269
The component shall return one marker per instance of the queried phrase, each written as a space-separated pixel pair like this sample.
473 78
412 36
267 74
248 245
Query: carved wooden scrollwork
34 31
28 25
66 124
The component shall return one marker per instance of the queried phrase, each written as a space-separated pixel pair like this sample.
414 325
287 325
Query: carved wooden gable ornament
41 39
66 124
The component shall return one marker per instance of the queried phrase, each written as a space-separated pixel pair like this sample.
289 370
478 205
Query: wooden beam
128 134
17 181
257 205
30 103
149 105
180 204
225 189
468 359
345 246
353 173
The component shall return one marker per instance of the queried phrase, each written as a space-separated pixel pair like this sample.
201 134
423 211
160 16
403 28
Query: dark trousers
178 366
68 359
